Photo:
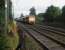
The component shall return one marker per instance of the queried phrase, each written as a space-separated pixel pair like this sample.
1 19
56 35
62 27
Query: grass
7 42
31 44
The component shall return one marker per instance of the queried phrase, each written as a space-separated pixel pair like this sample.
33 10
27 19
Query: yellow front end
32 20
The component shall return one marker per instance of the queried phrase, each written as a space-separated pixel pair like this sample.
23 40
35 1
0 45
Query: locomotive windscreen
32 18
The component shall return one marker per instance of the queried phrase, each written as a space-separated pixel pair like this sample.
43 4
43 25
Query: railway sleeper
48 43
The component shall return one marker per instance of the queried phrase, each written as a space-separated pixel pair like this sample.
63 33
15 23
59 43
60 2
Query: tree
2 11
51 13
21 15
41 14
2 3
63 14
32 11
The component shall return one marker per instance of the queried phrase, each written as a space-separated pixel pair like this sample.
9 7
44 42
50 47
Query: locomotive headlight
31 19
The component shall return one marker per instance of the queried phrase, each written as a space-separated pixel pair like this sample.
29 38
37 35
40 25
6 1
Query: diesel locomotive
29 19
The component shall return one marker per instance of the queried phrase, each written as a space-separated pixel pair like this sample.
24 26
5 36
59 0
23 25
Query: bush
8 41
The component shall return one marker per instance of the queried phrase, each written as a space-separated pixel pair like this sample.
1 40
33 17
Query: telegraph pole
6 17
13 11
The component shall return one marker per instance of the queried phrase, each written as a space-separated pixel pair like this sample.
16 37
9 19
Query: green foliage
52 12
40 14
63 10
2 11
40 18
32 11
63 14
2 4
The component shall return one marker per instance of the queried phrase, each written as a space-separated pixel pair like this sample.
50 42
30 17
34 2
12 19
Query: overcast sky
23 6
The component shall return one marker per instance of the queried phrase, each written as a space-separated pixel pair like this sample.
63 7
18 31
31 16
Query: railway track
52 29
44 40
50 34
55 28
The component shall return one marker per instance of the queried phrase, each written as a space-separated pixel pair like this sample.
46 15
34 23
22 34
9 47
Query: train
30 19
